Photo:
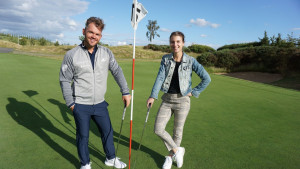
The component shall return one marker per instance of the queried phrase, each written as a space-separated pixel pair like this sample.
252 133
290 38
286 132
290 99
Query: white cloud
203 23
121 43
61 35
40 18
203 35
165 30
296 29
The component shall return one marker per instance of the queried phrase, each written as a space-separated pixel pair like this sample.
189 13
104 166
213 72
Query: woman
175 80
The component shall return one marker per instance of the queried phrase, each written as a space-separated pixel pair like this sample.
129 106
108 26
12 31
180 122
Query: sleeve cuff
71 105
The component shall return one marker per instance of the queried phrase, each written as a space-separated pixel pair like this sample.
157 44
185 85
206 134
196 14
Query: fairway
234 124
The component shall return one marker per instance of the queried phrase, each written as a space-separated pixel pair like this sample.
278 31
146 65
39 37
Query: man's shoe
115 162
87 166
168 163
178 156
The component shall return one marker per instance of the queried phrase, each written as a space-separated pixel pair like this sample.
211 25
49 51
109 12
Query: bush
227 59
207 59
56 43
42 41
32 42
200 48
186 49
240 45
23 41
163 48
294 61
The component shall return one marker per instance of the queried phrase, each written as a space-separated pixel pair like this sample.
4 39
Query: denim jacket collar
184 57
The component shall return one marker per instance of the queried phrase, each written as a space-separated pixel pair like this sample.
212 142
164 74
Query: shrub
227 59
23 41
201 48
163 48
239 45
32 42
42 41
294 61
207 59
56 43
186 49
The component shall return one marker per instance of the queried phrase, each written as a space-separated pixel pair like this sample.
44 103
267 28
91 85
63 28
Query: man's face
92 35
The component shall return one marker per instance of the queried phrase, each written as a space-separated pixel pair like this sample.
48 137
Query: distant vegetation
270 54
27 40
193 48
274 55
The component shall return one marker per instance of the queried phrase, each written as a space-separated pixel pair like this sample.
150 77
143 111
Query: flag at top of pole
138 12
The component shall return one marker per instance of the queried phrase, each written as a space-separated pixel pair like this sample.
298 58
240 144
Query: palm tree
152 30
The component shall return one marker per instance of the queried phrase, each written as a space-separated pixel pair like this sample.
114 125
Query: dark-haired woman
174 78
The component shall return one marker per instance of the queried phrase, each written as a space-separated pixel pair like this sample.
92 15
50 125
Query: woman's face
176 44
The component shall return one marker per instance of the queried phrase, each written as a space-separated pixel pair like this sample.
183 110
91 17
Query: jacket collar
184 57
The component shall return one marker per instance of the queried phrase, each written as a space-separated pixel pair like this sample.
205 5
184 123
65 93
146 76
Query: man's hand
72 107
126 99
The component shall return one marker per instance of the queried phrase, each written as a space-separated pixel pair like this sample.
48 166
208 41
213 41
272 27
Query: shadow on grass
159 159
35 120
64 110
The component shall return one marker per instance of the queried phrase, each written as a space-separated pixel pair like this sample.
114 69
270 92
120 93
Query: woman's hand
190 94
150 102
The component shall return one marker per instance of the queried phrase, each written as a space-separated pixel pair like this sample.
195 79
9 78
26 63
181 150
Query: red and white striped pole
138 12
132 96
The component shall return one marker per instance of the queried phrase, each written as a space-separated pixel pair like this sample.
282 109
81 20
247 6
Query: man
83 80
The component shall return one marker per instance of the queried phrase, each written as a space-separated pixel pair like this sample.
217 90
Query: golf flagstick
123 117
142 135
138 12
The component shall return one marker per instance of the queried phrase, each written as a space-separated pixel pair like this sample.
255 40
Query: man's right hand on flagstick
150 102
126 99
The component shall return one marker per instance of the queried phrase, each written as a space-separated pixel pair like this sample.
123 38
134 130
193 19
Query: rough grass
233 124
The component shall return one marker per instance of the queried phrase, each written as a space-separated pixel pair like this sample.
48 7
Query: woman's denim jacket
185 70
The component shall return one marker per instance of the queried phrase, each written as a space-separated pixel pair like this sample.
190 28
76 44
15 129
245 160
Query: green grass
234 123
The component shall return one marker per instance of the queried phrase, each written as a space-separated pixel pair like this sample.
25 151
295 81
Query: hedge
266 58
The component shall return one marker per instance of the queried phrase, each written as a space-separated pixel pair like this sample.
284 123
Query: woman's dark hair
97 21
177 33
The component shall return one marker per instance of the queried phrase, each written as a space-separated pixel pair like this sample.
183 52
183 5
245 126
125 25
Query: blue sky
213 23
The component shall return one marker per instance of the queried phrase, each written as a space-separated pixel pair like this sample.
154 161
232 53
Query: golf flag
138 12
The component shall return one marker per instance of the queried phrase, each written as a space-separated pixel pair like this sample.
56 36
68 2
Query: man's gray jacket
82 84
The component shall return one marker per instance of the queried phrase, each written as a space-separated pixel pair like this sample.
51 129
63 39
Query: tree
278 40
32 41
291 41
23 41
56 43
265 40
42 41
152 30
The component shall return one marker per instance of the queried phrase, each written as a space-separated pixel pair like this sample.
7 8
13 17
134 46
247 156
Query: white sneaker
87 166
178 156
168 163
115 162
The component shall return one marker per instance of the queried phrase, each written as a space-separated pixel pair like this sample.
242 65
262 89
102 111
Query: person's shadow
159 159
33 119
64 110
